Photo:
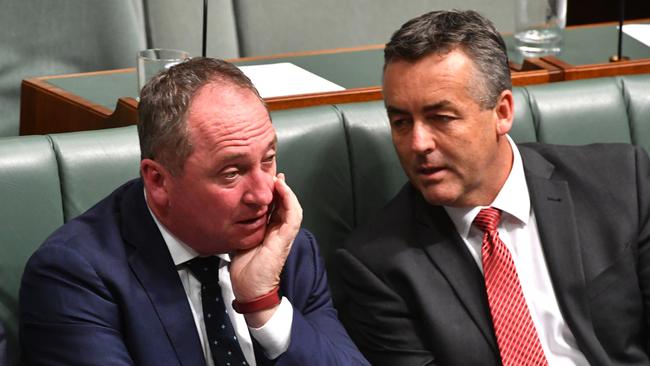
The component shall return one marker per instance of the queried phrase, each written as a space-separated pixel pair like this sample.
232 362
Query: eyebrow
235 156
444 104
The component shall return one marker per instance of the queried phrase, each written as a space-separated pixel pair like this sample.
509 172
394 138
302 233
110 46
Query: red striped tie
516 335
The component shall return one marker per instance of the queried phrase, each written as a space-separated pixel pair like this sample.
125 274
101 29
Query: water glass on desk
154 60
539 25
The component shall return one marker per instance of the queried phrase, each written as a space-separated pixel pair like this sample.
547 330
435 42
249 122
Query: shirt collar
513 198
179 251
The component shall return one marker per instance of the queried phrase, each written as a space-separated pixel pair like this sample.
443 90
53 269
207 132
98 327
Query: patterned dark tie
516 335
221 334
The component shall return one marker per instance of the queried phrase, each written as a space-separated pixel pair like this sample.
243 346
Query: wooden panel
628 67
45 108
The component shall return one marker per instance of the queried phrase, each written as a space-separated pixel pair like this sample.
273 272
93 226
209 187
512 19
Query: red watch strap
258 304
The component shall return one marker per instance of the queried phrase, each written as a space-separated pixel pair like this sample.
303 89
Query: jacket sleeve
643 184
317 336
378 319
67 316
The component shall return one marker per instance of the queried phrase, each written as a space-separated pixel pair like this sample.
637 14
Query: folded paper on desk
282 79
640 32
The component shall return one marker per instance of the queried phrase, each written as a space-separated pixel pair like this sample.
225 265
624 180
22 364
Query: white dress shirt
518 231
274 336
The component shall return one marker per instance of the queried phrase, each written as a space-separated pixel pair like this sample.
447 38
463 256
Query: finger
287 199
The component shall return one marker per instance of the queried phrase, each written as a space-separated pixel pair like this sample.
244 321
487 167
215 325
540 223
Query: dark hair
440 32
165 100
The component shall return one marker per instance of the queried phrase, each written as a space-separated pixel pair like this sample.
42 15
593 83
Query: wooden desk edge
74 113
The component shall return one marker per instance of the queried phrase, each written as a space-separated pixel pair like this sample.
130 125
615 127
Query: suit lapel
556 221
437 235
153 266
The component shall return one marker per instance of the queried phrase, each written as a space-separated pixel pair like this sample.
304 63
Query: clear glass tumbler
154 60
539 25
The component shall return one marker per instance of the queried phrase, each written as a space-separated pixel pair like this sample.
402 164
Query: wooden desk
107 98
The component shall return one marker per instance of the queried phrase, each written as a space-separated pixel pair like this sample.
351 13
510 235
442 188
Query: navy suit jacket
103 290
417 296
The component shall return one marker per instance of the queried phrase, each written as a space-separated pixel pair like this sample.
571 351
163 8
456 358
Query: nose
422 140
260 189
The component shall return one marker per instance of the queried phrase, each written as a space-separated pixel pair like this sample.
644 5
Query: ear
504 111
157 180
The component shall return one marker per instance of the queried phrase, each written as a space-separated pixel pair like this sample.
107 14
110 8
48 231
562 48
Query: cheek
224 201
401 146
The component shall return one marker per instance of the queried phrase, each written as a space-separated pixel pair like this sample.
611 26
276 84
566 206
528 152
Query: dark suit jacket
3 347
417 297
103 290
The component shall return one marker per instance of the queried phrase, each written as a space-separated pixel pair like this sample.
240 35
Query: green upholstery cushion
580 112
523 128
376 172
264 27
314 158
636 90
30 211
93 163
50 37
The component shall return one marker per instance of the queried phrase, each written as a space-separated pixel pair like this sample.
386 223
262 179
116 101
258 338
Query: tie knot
205 269
488 219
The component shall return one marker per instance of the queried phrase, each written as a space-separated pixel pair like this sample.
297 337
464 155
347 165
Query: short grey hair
164 103
440 32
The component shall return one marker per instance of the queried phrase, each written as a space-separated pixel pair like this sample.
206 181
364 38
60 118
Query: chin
251 241
437 197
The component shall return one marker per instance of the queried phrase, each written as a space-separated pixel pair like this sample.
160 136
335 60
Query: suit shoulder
93 232
591 152
392 222
605 160
304 252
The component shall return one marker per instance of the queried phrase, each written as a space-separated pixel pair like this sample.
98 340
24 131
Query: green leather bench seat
594 112
636 91
339 160
312 153
30 209
94 163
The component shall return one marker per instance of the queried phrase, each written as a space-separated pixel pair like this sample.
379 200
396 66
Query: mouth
427 170
255 221
430 172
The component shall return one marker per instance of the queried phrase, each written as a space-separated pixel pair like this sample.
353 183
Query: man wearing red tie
495 253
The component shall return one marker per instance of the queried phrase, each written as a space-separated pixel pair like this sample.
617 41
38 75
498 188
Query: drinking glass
154 60
539 25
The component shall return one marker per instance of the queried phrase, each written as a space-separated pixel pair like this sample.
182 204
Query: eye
398 122
230 174
269 159
442 118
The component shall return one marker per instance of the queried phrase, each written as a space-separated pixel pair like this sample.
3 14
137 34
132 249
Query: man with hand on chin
201 261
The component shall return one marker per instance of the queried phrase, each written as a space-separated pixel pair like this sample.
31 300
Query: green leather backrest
376 171
30 209
636 91
580 112
280 26
52 37
523 125
313 155
93 163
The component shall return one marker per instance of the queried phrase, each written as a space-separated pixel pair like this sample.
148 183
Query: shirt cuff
275 335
